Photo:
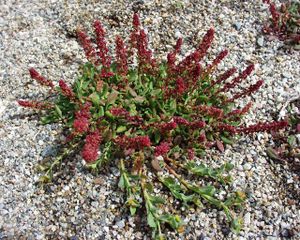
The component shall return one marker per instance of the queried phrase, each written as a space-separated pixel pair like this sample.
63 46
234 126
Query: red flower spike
180 87
136 22
88 48
144 55
82 117
138 142
39 78
101 44
66 90
34 104
178 45
242 76
205 44
202 138
247 92
197 124
119 112
181 121
191 153
223 77
161 149
210 111
227 128
275 14
261 127
165 127
217 61
197 55
240 112
91 147
121 57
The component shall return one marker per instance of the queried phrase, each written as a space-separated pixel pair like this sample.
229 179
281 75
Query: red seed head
136 22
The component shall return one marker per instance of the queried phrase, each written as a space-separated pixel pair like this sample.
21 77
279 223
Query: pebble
237 25
260 41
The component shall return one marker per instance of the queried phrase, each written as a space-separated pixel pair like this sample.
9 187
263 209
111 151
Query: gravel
80 205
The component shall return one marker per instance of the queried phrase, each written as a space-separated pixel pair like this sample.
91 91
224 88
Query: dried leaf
155 164
220 146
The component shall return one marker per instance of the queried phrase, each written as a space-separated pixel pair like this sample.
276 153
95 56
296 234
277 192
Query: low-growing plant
152 116
286 149
285 22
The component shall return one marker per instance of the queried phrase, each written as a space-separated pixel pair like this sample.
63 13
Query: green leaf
112 97
121 183
291 140
101 111
58 111
236 225
174 221
132 210
228 166
151 220
95 99
121 129
156 199
226 140
157 137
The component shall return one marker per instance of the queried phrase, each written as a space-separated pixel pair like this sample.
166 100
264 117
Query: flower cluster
162 149
260 127
82 118
138 142
34 104
40 79
66 90
91 147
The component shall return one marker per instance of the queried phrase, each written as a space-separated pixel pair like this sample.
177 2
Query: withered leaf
220 146
155 164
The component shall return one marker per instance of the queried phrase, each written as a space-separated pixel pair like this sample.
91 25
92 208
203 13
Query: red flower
223 77
202 138
180 86
227 128
161 149
121 56
191 153
217 60
66 90
247 92
91 147
39 78
82 117
240 112
119 112
136 22
165 127
138 142
181 121
34 104
243 75
210 111
88 48
260 127
197 124
101 44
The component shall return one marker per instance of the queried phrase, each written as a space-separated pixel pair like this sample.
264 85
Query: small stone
121 224
237 25
178 34
247 219
247 166
260 41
